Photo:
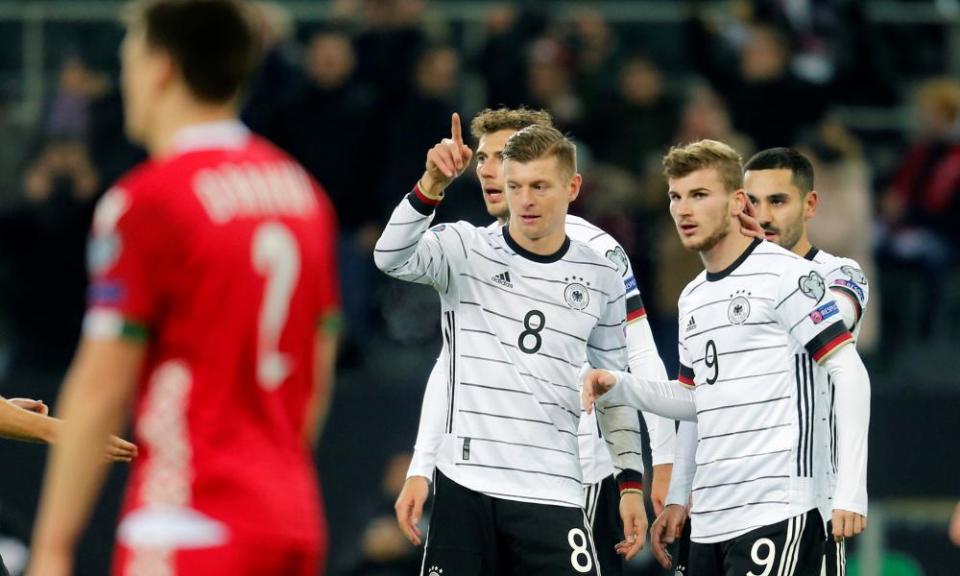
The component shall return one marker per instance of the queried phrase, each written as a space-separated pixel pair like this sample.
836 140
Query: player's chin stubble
710 241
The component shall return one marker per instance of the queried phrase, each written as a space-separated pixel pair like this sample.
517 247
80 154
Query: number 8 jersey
221 257
748 338
517 329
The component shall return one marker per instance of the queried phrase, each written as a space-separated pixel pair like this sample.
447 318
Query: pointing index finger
455 132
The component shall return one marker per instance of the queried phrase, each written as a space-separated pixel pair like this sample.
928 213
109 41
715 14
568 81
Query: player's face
702 208
490 171
538 194
781 208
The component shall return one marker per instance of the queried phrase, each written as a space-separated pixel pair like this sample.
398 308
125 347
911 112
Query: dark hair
784 159
212 43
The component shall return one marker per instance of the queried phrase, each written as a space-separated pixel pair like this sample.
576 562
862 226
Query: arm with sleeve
644 361
812 317
684 465
619 423
409 250
430 429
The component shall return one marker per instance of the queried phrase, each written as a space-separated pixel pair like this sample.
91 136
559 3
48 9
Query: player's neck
177 117
726 251
545 246
802 247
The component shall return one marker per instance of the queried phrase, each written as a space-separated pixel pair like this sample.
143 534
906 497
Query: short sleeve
807 310
124 258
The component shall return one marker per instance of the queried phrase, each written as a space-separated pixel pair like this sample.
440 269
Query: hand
446 160
955 526
409 507
634 517
660 486
31 405
749 225
666 530
47 562
847 524
119 450
596 383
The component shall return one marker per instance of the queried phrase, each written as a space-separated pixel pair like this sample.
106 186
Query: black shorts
834 555
796 544
472 534
602 503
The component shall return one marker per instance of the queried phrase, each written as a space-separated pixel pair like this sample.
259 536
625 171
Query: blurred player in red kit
213 311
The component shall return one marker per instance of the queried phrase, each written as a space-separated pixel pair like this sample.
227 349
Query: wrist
430 188
48 430
630 480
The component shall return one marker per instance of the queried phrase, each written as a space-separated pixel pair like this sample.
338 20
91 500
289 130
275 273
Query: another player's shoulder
583 254
599 241
773 258
831 265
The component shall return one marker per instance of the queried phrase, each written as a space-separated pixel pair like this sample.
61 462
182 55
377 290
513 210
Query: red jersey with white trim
222 257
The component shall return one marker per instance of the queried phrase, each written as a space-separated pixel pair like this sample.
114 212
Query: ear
810 204
164 70
738 202
575 183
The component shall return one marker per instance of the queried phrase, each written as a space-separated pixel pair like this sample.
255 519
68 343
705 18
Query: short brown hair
536 141
684 160
489 120
213 43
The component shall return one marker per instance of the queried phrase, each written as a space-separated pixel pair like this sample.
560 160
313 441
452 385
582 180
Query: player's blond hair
491 120
687 159
536 142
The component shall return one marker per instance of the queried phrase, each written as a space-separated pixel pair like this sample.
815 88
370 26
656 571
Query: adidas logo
692 324
503 279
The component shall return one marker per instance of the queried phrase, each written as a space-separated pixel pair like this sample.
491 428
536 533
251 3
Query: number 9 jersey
220 257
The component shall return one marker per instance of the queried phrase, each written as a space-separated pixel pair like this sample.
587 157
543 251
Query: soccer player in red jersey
212 305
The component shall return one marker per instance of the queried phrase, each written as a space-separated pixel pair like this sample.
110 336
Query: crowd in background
359 99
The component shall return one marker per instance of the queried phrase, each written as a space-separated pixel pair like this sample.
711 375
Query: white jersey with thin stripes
745 336
845 278
595 461
517 328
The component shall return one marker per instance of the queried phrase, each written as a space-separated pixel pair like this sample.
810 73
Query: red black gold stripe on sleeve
629 479
686 375
635 309
421 202
829 340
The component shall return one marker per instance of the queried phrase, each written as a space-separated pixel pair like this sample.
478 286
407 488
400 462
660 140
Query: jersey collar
211 135
714 276
543 259
812 253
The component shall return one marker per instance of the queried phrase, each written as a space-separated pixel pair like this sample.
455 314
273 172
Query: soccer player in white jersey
780 184
524 307
611 501
748 325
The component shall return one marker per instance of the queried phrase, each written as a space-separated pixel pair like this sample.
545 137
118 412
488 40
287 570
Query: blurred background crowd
358 90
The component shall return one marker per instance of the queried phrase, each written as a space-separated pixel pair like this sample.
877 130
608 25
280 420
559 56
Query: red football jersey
222 257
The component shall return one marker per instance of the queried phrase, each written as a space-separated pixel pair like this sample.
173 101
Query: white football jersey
517 327
748 337
842 275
